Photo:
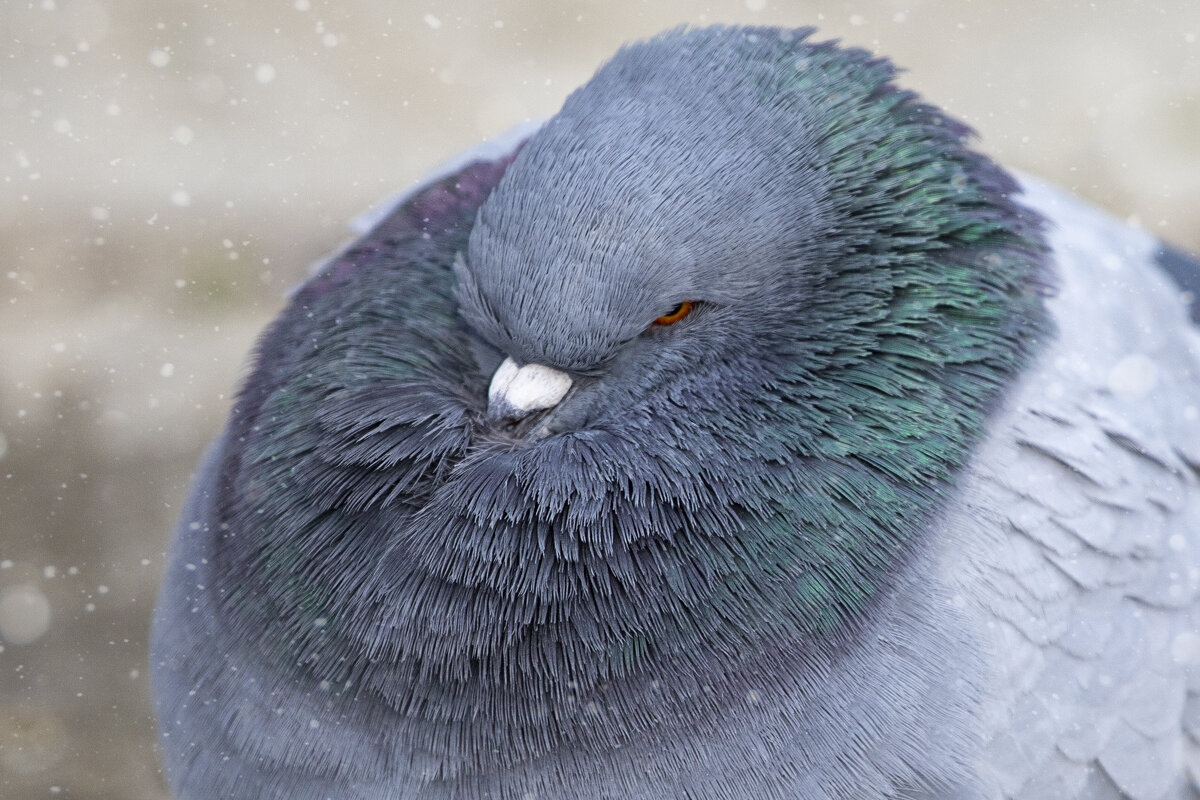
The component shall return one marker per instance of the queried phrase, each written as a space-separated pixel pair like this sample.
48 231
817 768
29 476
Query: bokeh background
169 169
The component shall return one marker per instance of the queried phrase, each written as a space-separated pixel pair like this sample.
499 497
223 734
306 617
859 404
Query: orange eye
679 312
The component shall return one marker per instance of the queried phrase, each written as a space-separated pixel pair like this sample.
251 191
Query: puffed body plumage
907 506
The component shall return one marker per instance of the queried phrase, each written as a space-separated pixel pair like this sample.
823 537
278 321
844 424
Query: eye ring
674 315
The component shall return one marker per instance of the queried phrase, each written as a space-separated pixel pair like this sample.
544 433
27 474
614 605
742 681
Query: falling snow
156 158
24 614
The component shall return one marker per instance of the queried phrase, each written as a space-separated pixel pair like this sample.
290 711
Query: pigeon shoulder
1077 541
498 148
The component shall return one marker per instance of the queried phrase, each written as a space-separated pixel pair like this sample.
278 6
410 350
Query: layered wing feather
1077 538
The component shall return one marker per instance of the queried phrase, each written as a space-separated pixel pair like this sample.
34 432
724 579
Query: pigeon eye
674 315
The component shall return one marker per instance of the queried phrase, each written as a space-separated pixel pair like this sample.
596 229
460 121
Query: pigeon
739 432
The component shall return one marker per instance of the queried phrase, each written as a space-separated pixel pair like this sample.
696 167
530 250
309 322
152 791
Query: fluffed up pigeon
740 433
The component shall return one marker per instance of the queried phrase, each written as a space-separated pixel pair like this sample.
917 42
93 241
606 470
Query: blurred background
168 170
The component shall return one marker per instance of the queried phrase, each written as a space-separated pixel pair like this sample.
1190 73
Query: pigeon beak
517 392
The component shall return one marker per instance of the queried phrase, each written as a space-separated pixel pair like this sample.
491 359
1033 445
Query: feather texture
905 507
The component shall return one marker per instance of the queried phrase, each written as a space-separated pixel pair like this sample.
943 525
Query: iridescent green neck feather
746 482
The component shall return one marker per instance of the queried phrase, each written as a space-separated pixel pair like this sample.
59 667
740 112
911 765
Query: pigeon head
749 306
788 193
644 193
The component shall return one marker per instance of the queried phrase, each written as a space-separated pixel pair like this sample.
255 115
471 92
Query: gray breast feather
1076 543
